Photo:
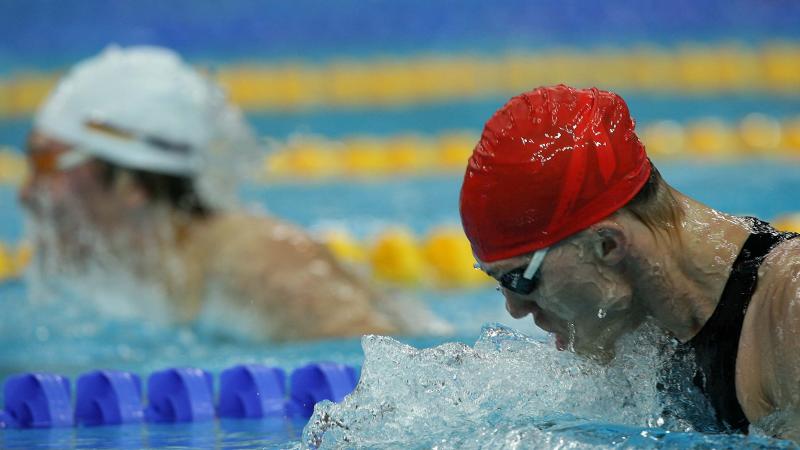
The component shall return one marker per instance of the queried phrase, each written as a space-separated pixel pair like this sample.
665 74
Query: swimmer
563 207
132 161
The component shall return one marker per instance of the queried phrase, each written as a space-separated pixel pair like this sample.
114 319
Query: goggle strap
535 263
72 158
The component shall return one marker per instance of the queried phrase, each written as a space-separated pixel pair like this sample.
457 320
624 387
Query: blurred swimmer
563 207
134 161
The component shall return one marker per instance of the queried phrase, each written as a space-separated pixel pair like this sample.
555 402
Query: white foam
498 393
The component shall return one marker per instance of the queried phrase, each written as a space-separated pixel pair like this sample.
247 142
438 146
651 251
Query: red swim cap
550 163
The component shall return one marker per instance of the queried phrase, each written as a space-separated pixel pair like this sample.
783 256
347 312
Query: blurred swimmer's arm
768 381
295 286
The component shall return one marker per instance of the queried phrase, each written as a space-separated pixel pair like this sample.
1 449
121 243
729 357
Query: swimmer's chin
597 353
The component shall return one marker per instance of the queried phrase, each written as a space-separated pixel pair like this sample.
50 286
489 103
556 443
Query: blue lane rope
108 397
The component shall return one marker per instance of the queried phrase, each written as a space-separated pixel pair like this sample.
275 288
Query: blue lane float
106 397
6 421
180 395
252 391
38 400
320 381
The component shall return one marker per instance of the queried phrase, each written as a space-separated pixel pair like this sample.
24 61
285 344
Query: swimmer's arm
778 411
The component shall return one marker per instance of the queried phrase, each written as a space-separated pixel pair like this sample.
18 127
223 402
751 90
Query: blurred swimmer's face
64 189
582 295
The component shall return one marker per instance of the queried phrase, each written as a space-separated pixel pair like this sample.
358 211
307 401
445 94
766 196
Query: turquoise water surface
520 401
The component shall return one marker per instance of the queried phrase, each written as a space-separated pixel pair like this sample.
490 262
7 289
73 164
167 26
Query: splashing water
509 390
82 272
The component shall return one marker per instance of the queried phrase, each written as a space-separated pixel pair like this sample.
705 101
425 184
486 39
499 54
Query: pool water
273 433
473 389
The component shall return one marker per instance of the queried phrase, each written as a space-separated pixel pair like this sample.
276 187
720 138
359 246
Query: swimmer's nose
519 307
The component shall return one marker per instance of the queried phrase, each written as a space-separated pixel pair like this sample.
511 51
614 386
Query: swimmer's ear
610 243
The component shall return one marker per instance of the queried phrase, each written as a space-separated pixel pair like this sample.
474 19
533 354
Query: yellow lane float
448 253
344 246
396 257
788 222
710 137
760 133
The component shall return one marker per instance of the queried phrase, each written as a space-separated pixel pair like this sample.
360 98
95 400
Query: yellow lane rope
441 258
305 158
395 81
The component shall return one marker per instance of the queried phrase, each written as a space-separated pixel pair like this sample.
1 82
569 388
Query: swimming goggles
48 162
524 279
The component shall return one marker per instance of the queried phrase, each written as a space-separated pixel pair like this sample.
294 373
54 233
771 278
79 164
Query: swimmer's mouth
542 321
562 343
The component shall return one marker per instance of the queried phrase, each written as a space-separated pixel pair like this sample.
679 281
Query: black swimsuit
716 345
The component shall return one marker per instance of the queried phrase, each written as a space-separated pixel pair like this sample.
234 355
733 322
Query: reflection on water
272 433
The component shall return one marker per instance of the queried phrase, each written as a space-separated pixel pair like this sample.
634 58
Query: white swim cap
144 108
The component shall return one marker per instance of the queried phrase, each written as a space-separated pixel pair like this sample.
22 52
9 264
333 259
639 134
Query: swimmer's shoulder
769 347
243 245
779 281
239 222
244 231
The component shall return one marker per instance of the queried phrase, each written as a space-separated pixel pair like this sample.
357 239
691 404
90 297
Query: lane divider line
109 397
398 81
306 158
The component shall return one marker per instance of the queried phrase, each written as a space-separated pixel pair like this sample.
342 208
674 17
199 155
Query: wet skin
676 284
768 363
581 297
